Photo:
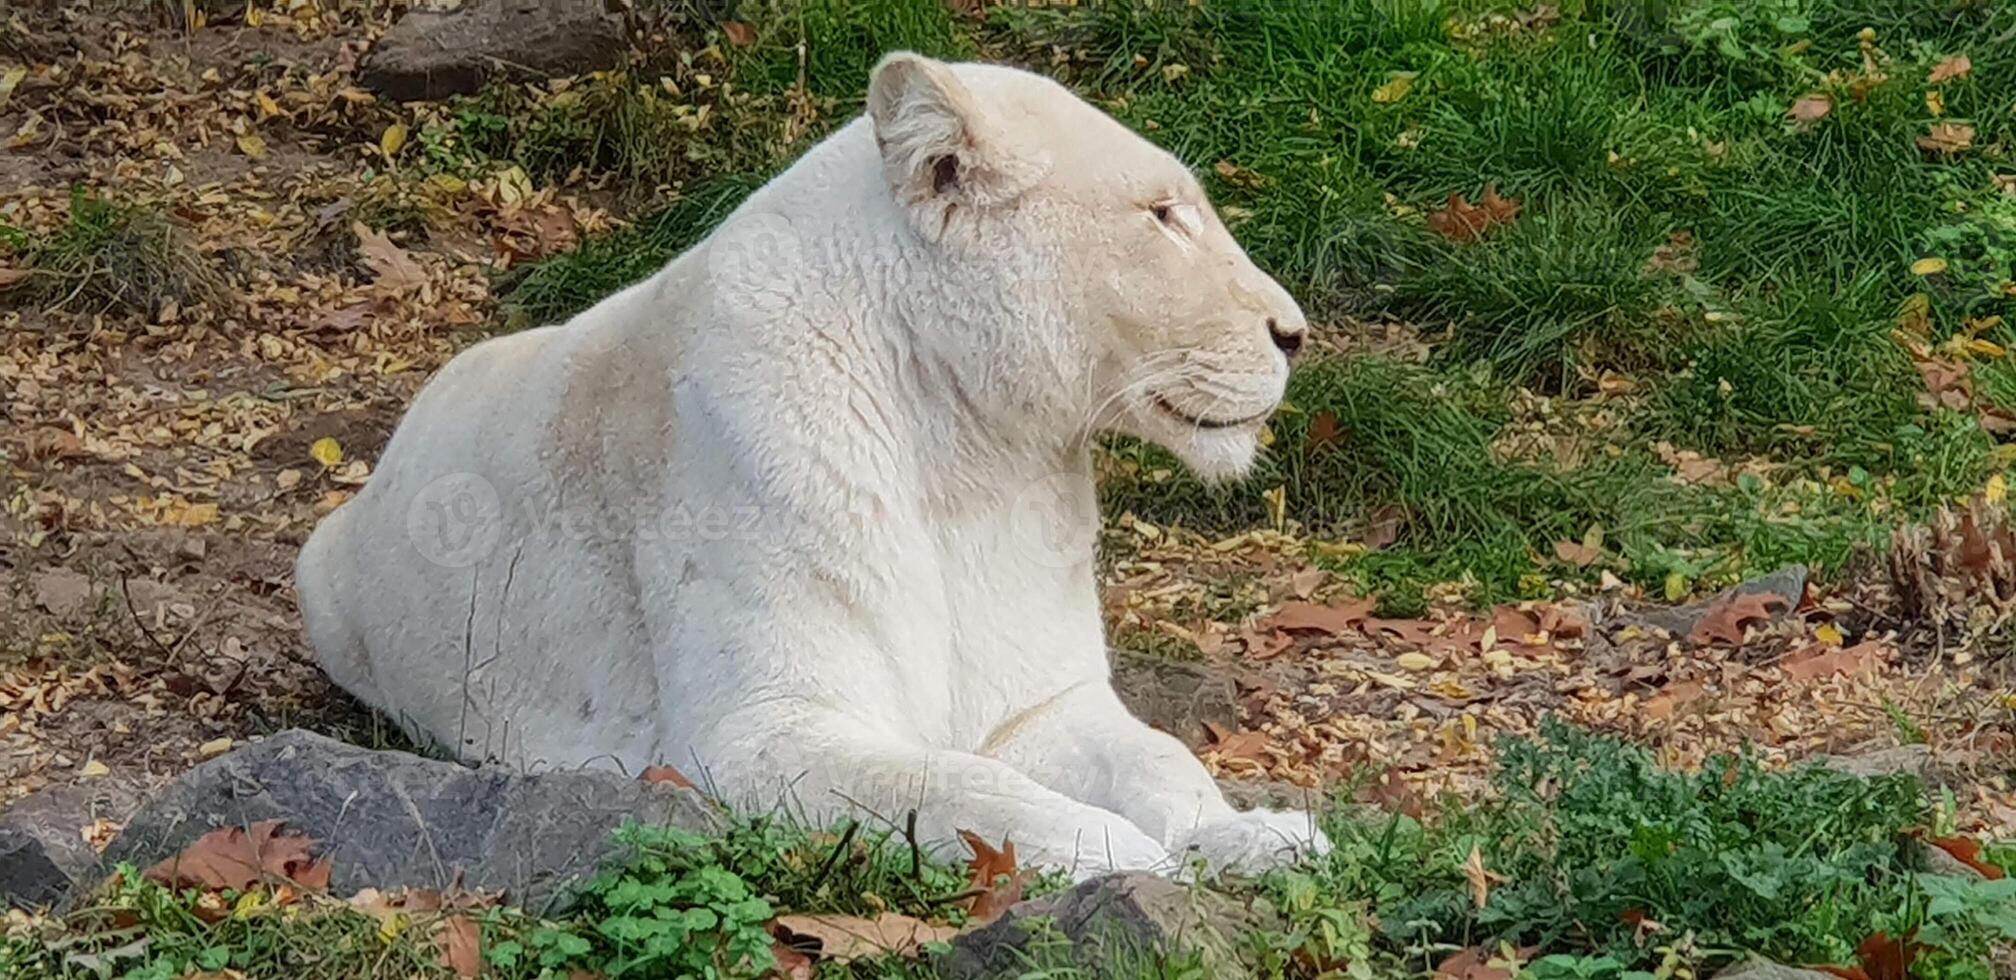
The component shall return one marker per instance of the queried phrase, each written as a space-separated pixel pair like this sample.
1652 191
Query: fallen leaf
1930 266
842 939
1728 617
1339 617
1810 109
239 858
1819 662
1392 793
1955 67
93 769
394 270
252 145
390 141
1576 553
1673 697
326 451
666 774
1324 431
9 81
9 278
1382 528
213 748
791 964
1947 138
1481 879
461 946
1967 851
1395 89
738 33
1478 963
1416 662
994 877
1461 221
1245 745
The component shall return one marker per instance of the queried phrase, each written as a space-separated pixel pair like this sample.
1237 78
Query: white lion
811 511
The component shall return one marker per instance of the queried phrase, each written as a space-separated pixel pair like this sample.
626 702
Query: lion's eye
1163 213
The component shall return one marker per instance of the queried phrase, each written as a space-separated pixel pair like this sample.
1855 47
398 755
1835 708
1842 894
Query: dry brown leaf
1673 697
239 859
1967 851
1481 879
393 267
1478 963
1461 221
1339 617
1810 109
844 938
738 33
1324 431
1382 527
666 774
461 946
1955 67
1947 138
10 278
1820 661
1728 618
791 964
999 884
1576 553
1246 745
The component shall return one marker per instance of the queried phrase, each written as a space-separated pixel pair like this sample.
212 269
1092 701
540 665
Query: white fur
809 513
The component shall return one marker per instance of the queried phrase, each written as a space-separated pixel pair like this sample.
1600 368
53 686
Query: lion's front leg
839 768
1087 746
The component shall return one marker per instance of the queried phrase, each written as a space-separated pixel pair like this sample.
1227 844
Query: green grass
1584 836
112 257
1744 274
1589 837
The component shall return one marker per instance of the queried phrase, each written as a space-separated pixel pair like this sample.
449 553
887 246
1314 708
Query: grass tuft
111 257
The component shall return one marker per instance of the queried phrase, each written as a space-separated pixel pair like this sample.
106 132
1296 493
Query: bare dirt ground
159 469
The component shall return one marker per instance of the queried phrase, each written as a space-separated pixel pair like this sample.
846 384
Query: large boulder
1107 922
44 843
391 819
435 54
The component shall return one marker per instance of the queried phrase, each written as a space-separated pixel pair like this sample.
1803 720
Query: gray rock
1769 971
43 852
1176 697
1115 920
1788 583
1904 760
391 819
436 54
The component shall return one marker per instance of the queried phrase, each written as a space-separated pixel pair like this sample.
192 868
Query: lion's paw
1254 842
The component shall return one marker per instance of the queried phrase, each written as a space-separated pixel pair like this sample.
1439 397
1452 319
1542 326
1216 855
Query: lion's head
1164 329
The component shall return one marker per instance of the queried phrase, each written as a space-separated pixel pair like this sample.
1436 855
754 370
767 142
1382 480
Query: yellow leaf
1395 89
326 451
1676 587
393 138
513 187
1935 103
1829 634
267 107
254 16
1985 348
252 145
1997 490
9 79
1928 266
94 769
1416 662
1266 436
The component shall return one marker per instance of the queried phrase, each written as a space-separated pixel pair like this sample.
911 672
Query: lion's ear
937 142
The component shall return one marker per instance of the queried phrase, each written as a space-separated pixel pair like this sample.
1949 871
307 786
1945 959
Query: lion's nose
1289 339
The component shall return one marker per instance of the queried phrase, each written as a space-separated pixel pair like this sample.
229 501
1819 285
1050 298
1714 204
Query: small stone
213 748
93 769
